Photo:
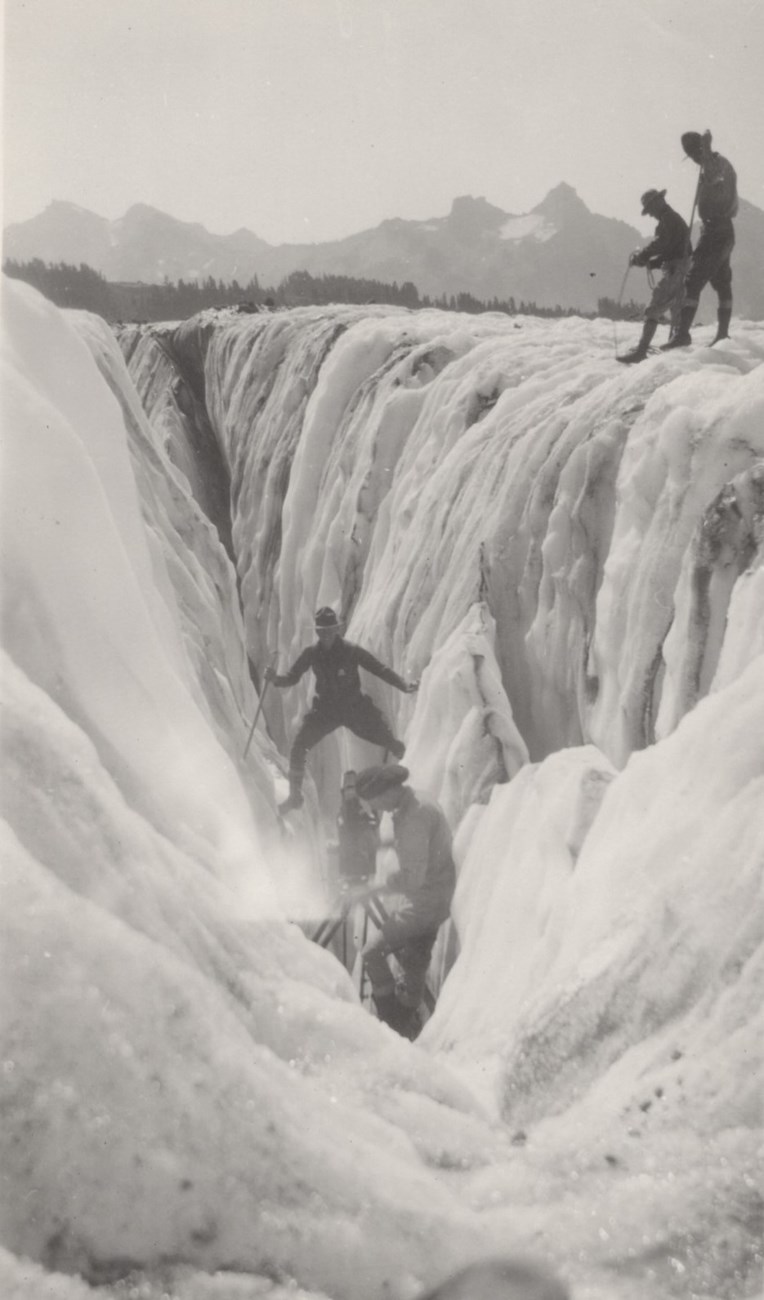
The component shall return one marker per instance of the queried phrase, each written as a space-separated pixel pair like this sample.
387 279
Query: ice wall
405 466
570 556
179 1064
569 553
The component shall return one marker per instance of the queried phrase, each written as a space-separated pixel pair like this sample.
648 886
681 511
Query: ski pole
623 281
618 306
679 303
266 684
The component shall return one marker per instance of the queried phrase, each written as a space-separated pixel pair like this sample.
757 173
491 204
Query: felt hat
373 781
692 142
326 617
648 199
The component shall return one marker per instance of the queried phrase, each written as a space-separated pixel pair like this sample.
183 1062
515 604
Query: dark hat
692 142
648 199
326 617
376 780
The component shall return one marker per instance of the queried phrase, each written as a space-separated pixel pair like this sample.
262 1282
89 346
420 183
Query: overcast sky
307 120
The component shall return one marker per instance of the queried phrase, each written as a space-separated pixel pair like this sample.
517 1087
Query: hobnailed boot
391 1012
640 351
723 317
682 337
294 799
411 1027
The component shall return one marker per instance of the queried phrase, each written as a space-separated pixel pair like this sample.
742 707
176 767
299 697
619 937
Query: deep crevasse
408 465
506 512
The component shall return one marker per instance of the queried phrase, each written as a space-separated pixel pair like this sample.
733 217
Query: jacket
335 669
717 190
427 873
671 242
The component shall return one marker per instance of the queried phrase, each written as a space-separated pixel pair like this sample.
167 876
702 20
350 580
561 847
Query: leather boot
640 351
682 337
723 317
392 1012
294 799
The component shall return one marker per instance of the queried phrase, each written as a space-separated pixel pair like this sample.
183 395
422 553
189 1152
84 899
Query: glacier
568 554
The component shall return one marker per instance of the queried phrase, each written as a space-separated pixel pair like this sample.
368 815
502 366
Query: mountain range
558 253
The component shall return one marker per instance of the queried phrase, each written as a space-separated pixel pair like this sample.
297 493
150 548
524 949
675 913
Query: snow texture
569 554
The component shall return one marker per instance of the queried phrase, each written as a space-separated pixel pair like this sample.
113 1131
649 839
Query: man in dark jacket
669 252
338 701
717 205
424 883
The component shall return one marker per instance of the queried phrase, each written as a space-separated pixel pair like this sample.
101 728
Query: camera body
357 837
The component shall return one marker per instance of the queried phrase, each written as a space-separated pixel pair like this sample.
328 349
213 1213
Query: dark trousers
711 265
360 715
410 941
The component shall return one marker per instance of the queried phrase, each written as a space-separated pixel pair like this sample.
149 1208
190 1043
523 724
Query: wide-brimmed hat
692 142
326 617
373 781
648 199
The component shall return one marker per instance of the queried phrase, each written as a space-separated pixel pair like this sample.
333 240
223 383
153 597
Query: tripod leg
377 911
323 933
318 934
364 936
327 929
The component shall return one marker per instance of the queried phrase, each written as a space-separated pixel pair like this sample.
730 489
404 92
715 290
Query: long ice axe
266 684
678 305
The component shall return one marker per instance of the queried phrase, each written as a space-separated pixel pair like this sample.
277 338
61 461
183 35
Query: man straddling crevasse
717 205
338 700
668 252
425 884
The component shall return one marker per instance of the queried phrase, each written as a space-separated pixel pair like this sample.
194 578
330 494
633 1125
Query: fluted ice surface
569 555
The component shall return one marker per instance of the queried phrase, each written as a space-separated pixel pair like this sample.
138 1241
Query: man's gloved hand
636 258
270 673
412 688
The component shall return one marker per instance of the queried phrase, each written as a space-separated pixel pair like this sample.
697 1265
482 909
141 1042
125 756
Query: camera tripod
374 911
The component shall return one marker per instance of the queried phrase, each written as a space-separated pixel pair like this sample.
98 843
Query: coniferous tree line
86 289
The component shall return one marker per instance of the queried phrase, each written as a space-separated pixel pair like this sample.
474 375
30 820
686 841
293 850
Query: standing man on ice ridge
338 701
717 205
425 881
668 251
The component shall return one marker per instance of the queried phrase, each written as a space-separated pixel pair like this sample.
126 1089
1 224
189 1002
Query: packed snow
569 555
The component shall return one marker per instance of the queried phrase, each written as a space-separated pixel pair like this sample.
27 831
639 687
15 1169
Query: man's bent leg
414 961
710 262
375 955
721 282
700 270
314 726
389 1009
368 722
410 940
664 297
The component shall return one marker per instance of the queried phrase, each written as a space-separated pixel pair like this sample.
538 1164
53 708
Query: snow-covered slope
569 554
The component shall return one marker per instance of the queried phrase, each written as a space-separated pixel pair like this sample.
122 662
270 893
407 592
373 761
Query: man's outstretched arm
366 660
300 666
